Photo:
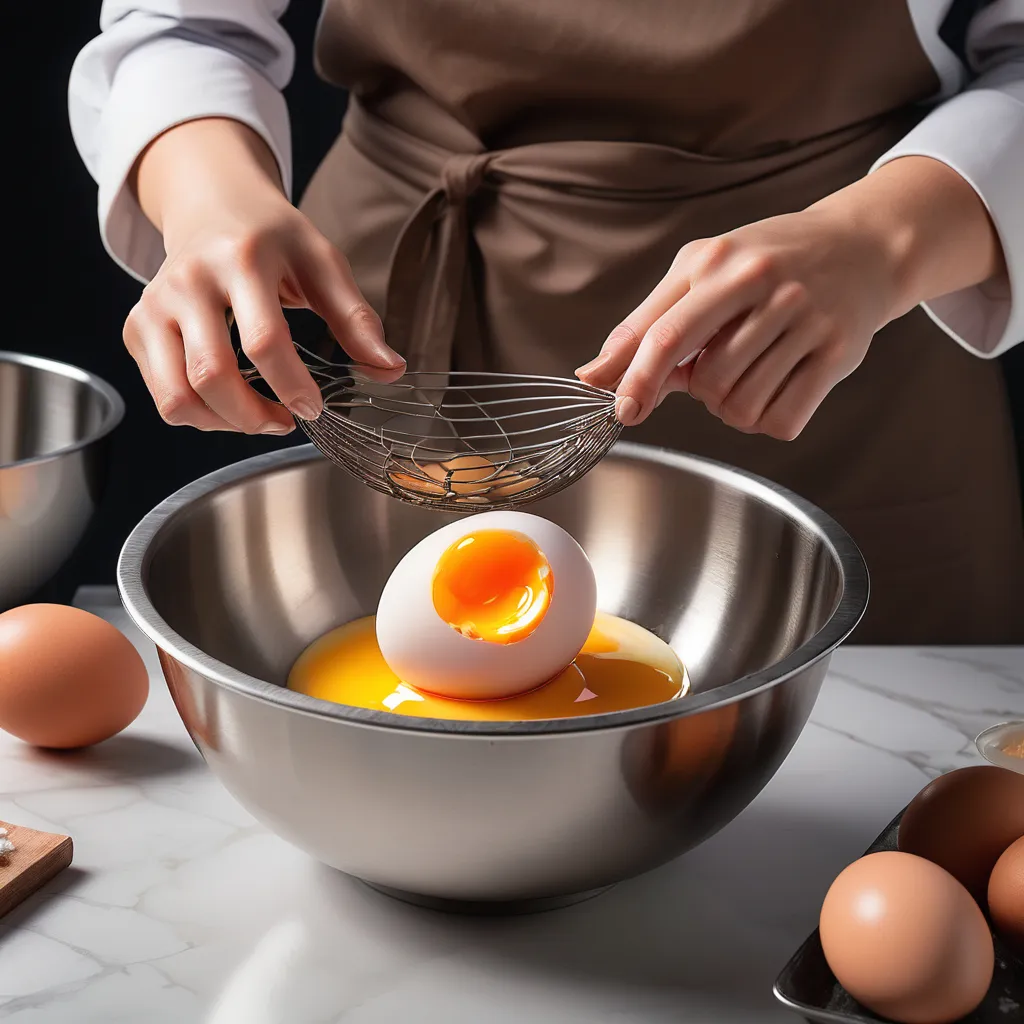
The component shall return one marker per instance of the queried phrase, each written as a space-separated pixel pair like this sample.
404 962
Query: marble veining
180 908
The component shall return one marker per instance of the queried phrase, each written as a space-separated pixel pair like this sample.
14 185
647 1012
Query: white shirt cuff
980 134
207 82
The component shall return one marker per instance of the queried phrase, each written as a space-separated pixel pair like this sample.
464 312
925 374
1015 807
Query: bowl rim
111 419
136 555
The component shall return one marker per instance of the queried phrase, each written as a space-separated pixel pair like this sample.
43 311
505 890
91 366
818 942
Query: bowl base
487 908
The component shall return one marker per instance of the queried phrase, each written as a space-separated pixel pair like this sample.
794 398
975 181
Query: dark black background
67 300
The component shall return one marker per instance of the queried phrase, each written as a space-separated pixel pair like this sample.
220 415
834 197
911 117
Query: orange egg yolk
621 666
493 585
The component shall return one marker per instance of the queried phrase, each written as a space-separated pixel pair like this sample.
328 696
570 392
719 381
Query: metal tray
808 987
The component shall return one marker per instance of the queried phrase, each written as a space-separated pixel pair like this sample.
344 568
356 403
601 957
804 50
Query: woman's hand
761 323
233 240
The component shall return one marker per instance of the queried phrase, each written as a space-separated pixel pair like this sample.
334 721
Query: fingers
757 324
744 406
740 344
329 289
182 344
611 363
678 381
157 350
792 408
780 393
684 329
267 341
211 368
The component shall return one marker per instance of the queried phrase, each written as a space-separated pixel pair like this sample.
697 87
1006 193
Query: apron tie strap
428 267
426 288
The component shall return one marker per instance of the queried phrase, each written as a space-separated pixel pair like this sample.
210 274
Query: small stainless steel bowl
55 423
235 574
1003 745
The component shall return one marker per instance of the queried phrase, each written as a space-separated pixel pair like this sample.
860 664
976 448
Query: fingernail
592 365
275 428
388 359
304 409
626 410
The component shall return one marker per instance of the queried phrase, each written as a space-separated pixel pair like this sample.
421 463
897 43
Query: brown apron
514 176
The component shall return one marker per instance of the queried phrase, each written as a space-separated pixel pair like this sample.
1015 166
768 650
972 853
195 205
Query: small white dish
1003 745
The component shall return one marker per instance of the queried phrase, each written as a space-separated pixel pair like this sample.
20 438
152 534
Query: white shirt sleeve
159 63
980 134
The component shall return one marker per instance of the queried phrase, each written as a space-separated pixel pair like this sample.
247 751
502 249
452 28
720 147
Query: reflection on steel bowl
55 424
236 574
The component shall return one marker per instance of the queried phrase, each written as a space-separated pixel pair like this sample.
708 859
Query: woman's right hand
234 241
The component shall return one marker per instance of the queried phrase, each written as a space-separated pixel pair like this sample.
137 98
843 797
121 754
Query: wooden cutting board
36 858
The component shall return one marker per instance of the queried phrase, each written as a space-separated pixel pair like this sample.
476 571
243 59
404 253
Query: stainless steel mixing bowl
234 575
55 421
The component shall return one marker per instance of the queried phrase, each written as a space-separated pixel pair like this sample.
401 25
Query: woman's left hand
758 324
761 323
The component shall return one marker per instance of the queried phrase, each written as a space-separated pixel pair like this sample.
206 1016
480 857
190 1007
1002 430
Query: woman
749 201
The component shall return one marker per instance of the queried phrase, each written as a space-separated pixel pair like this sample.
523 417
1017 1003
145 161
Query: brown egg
1006 896
964 820
67 678
906 939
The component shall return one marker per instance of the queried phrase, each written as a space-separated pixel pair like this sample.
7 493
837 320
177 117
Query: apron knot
427 282
462 174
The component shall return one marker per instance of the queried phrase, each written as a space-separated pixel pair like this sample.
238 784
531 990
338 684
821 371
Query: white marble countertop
179 908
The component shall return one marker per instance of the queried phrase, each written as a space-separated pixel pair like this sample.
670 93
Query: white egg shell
424 651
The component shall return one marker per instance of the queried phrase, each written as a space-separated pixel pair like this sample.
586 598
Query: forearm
198 166
930 227
156 65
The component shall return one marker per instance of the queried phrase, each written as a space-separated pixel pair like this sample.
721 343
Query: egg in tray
928 927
